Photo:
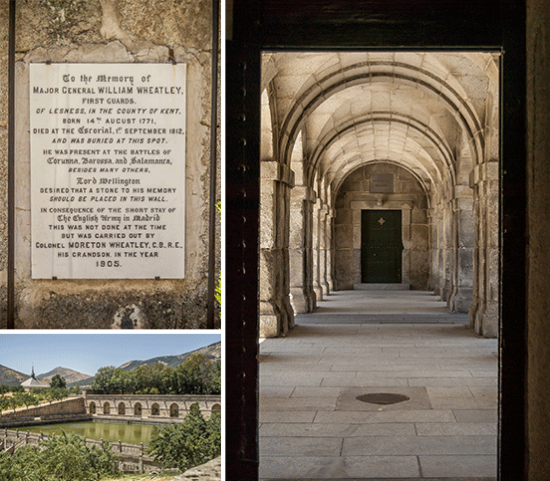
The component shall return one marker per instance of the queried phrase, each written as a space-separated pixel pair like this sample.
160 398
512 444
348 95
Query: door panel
381 246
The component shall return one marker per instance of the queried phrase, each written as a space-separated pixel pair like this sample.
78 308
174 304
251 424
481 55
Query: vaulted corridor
379 167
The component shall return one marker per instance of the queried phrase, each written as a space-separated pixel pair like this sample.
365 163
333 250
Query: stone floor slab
476 415
316 392
349 467
363 381
353 417
266 416
299 404
456 429
459 466
451 381
418 399
336 430
419 445
297 446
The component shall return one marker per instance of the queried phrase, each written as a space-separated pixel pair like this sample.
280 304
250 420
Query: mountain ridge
11 377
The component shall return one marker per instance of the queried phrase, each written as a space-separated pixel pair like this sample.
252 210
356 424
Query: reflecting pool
112 432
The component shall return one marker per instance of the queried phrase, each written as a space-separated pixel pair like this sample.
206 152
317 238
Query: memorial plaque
107 170
381 183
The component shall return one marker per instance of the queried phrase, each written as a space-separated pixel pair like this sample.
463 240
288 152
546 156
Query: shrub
189 444
62 458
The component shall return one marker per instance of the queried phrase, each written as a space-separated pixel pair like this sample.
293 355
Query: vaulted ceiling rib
352 108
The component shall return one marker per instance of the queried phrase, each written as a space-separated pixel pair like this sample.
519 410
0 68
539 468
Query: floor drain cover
382 398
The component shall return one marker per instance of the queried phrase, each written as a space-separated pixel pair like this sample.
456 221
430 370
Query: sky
86 353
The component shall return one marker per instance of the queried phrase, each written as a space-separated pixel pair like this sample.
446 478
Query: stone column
276 315
446 258
316 234
438 250
323 249
462 243
433 254
330 248
443 243
302 297
484 310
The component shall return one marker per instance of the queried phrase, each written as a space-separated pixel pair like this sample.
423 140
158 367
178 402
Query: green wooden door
381 246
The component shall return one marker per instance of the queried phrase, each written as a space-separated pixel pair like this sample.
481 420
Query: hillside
212 352
11 377
71 377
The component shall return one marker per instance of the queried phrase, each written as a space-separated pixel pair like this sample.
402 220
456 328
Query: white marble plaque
107 170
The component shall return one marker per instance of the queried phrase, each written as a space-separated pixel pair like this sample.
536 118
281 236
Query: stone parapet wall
69 406
42 420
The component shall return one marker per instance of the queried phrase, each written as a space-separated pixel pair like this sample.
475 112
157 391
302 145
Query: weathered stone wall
354 196
538 301
68 406
110 31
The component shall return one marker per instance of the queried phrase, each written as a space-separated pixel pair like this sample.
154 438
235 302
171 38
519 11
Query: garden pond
112 432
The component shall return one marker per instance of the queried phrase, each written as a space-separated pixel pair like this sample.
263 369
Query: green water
112 432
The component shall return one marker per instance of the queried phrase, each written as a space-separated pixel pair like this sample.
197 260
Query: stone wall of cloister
330 120
408 196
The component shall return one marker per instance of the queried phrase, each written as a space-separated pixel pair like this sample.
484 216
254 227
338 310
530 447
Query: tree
4 389
103 379
198 375
75 389
58 382
149 379
189 444
4 403
27 399
58 393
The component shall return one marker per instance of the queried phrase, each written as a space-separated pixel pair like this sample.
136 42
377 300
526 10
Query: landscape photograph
103 406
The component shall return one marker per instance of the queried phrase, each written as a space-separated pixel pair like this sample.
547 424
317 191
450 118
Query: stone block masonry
57 412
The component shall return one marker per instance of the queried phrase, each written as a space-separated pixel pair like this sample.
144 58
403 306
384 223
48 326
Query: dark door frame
256 25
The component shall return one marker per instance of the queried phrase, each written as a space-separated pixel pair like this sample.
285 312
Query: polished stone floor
359 342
